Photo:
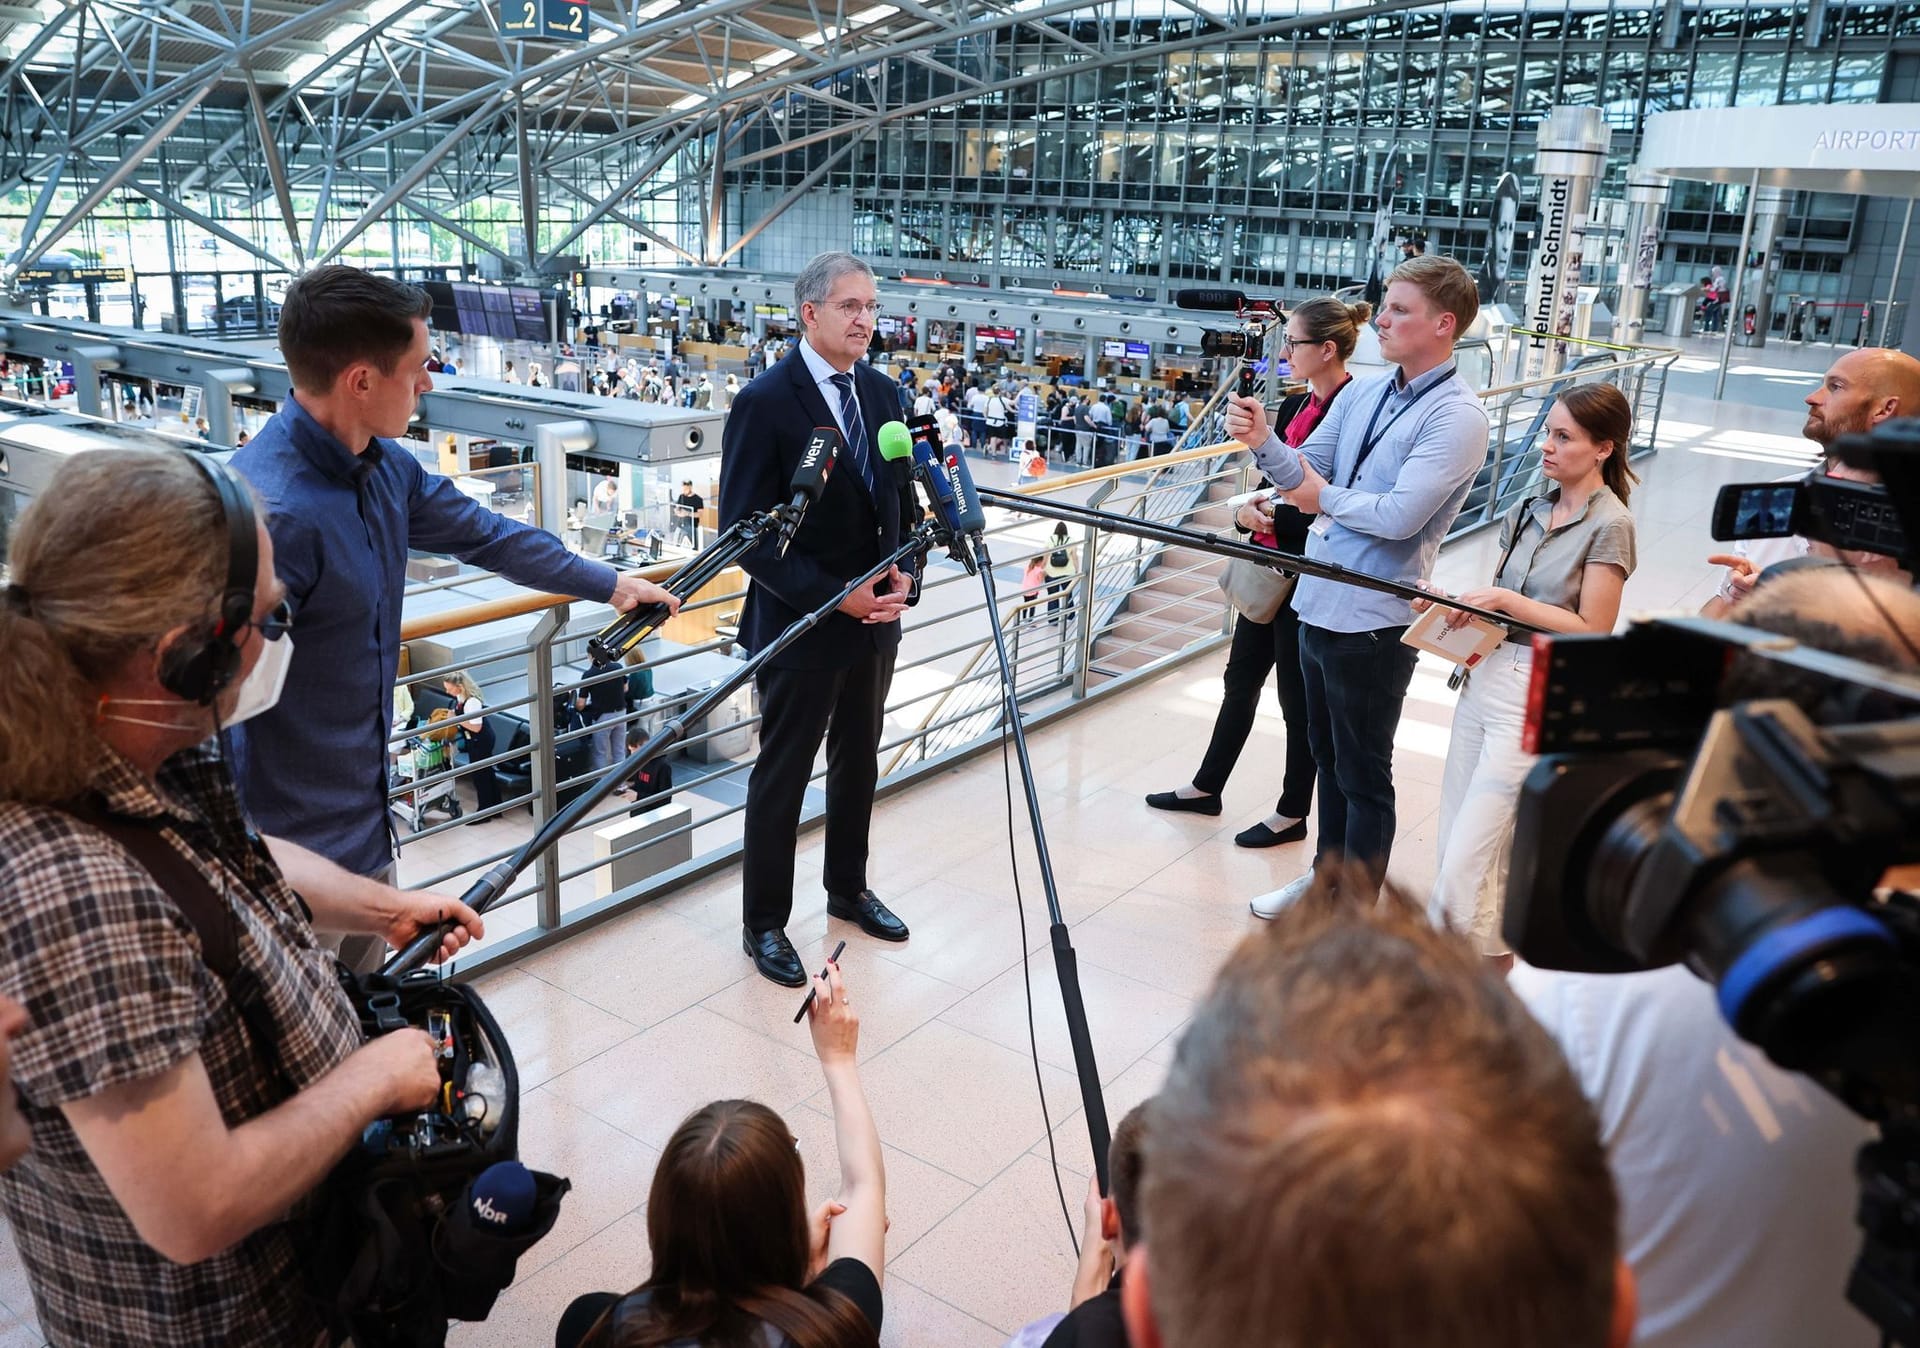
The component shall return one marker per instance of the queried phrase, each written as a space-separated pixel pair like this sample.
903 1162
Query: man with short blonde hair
1386 471
1364 1139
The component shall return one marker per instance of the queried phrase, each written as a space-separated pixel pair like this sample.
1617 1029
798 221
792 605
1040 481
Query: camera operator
1736 1178
1386 472
180 1118
1862 389
1364 1139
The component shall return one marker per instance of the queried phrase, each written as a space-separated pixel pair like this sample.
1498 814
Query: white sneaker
1272 905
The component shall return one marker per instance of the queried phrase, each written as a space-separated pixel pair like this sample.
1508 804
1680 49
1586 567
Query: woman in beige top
1565 558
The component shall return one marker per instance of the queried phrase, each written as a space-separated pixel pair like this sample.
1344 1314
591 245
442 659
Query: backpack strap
192 893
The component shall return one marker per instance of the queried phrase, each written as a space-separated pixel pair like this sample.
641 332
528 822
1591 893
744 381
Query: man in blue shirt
344 505
1386 472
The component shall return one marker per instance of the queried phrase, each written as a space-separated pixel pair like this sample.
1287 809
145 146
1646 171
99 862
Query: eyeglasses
1288 343
854 308
277 623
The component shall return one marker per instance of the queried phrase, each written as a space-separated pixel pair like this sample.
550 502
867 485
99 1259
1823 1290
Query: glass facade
1258 160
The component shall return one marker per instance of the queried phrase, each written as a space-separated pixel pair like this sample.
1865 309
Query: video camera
1247 343
1848 515
1724 797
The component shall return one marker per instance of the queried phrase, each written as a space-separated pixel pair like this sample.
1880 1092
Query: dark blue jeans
1356 683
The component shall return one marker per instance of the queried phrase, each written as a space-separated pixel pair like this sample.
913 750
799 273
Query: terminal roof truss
326 117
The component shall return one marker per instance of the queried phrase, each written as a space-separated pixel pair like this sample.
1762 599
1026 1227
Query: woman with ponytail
1566 554
1321 336
738 1262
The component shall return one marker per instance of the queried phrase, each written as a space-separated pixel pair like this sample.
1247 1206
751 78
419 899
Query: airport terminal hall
959 674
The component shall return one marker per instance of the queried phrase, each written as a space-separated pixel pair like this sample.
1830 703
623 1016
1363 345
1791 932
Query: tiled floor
621 1031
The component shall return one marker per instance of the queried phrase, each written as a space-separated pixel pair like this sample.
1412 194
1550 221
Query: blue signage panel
551 20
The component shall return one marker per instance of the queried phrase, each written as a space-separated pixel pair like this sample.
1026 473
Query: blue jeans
1355 683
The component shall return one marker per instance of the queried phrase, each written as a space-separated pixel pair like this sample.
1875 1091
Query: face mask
260 690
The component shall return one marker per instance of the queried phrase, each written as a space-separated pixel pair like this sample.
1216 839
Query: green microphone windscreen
894 442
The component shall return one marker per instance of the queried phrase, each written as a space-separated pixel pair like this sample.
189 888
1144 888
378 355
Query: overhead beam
406 181
276 170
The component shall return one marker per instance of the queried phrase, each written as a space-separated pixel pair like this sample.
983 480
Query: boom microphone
1212 299
810 479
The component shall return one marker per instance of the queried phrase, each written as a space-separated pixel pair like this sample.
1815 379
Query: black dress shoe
774 956
1262 836
1173 800
872 915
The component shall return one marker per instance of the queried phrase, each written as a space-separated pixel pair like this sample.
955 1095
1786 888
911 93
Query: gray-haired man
832 683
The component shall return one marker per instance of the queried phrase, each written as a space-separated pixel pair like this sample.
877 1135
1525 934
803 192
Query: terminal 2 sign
544 20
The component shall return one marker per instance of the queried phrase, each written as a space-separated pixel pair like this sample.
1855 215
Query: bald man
1861 390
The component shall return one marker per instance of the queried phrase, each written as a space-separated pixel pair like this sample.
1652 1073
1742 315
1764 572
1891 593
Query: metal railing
1127 610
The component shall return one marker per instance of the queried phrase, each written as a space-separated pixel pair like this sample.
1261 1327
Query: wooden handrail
513 606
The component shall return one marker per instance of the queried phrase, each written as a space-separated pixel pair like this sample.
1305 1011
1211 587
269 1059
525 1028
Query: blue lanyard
1369 439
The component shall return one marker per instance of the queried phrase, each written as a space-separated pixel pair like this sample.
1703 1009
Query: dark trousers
797 708
486 789
1260 648
1355 683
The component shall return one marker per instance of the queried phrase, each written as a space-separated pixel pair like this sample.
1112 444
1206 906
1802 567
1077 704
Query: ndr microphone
809 479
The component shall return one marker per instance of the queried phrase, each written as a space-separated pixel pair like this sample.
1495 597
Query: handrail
1648 357
960 679
520 605
513 606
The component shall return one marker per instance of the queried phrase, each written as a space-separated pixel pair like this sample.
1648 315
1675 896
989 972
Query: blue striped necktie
856 429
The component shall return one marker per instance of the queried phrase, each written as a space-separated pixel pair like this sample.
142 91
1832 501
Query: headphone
200 668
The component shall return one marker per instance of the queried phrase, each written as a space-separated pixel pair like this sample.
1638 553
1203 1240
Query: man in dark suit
833 682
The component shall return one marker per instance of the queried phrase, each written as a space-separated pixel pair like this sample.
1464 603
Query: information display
499 320
529 318
469 308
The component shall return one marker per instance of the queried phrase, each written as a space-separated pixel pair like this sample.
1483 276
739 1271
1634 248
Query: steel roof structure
334 116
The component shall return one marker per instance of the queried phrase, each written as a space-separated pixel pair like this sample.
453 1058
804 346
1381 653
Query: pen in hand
834 958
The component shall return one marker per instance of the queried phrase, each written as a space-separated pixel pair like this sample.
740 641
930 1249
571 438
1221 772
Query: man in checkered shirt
174 1153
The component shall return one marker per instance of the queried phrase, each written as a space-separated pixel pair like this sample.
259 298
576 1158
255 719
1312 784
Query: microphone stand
628 630
488 888
1065 963
1219 545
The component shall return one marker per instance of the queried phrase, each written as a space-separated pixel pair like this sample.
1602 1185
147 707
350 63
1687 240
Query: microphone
809 479
503 1198
945 478
1211 298
896 447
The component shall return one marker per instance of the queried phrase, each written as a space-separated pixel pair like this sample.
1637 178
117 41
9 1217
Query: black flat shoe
1173 800
872 915
1262 836
774 956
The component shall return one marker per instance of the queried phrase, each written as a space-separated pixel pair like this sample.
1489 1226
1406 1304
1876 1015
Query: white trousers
1478 798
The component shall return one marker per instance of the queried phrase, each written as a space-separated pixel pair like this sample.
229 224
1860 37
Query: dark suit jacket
846 532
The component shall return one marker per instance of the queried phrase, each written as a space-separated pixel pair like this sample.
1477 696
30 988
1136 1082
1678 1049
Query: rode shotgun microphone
1211 299
809 479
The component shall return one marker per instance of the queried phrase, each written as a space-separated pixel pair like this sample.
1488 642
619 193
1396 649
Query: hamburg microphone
809 479
949 487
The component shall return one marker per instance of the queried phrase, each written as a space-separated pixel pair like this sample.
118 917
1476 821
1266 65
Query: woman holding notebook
1565 555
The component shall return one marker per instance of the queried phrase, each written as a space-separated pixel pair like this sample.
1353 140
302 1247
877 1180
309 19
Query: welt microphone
809 479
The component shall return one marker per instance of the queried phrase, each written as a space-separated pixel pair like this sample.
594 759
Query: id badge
1321 524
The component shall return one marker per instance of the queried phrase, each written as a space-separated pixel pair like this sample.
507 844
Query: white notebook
1467 645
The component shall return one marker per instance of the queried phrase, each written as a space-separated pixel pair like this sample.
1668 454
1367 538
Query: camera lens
1617 858
1215 343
